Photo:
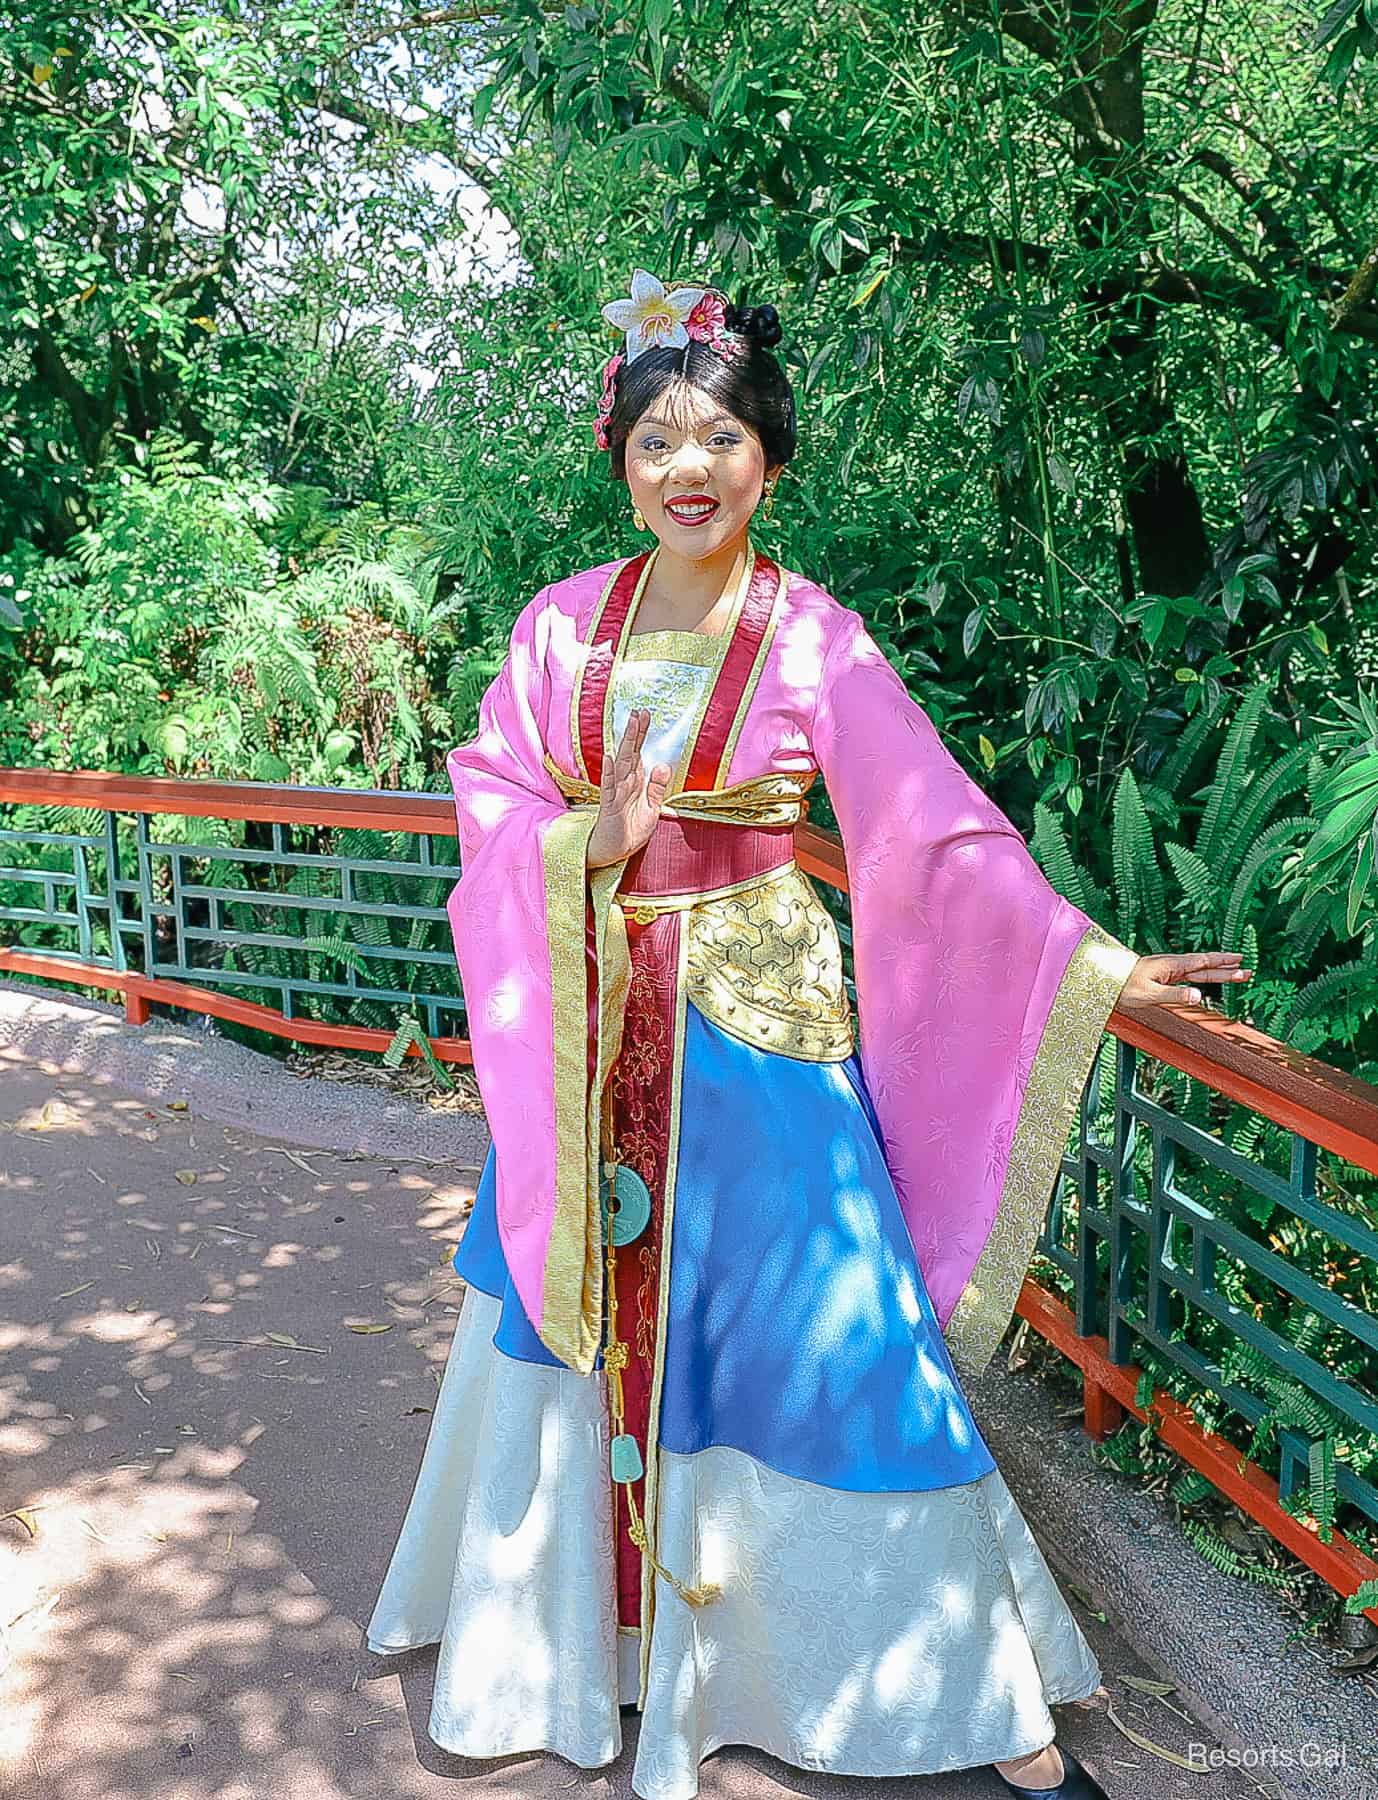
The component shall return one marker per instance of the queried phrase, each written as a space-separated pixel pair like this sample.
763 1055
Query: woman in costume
701 1446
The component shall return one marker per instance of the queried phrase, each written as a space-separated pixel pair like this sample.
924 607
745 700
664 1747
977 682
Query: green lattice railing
1214 1233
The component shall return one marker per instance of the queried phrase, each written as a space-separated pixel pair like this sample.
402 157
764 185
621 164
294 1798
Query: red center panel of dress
641 1084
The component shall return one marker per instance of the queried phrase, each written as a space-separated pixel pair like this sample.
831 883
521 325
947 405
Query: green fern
1199 882
1172 773
1191 1488
1278 839
410 1032
1292 1405
340 949
1245 1133
1231 775
1321 1471
1139 880
1054 854
1229 1561
1267 791
1307 1331
1358 978
171 457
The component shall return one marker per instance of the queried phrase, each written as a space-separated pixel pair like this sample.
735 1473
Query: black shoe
1077 1783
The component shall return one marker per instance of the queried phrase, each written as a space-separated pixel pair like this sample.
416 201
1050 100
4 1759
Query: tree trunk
1161 507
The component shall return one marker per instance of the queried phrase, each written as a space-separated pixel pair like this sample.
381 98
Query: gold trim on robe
699 647
574 1263
573 1287
1096 971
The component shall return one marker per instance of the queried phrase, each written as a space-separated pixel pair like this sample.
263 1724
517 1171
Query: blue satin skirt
799 1329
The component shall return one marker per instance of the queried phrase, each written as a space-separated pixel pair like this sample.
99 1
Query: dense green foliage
300 332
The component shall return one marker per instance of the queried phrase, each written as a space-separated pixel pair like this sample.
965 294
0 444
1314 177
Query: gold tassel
616 1354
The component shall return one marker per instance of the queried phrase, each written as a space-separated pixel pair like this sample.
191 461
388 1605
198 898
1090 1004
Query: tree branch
52 370
477 12
431 135
1275 227
1347 315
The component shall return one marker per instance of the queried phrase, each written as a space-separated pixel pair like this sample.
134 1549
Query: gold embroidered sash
763 958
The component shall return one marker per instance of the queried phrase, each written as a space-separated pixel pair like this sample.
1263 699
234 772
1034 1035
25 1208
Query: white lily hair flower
654 316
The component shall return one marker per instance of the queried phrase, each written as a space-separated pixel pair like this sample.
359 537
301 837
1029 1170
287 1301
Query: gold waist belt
763 957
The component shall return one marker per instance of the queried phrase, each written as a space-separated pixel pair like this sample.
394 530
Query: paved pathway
219 1355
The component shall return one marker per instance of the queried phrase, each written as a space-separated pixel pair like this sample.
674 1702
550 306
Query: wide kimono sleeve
530 922
982 993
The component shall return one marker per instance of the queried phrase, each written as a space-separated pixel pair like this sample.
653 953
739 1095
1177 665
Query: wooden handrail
379 809
382 809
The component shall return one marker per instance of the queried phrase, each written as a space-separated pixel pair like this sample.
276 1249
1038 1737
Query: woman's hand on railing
1168 978
629 798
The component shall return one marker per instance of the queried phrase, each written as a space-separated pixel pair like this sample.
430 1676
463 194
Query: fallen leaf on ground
186 1176
259 1344
35 1613
292 1156
25 1518
51 1114
1143 1743
368 1329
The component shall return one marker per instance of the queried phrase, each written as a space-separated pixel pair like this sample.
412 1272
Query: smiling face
695 471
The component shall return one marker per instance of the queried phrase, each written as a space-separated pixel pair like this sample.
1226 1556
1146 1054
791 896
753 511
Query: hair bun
759 322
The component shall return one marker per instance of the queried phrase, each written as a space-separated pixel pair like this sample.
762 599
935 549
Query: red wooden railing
1334 1110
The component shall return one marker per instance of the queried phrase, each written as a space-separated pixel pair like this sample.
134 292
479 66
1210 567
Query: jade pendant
633 1212
626 1458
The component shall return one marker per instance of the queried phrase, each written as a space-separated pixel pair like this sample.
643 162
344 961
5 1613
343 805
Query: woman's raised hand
629 798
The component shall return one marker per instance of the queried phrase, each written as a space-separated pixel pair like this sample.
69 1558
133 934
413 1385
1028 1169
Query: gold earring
770 497
637 519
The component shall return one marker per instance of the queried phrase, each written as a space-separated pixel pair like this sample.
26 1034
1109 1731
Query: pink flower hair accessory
605 403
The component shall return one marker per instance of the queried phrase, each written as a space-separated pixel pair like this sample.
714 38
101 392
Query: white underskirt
858 1633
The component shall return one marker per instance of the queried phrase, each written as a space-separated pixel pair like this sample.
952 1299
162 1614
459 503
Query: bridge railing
1211 1247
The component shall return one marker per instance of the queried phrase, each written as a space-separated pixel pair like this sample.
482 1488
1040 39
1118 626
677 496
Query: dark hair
753 388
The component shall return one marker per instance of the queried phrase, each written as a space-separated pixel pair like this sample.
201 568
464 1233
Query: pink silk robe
982 994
